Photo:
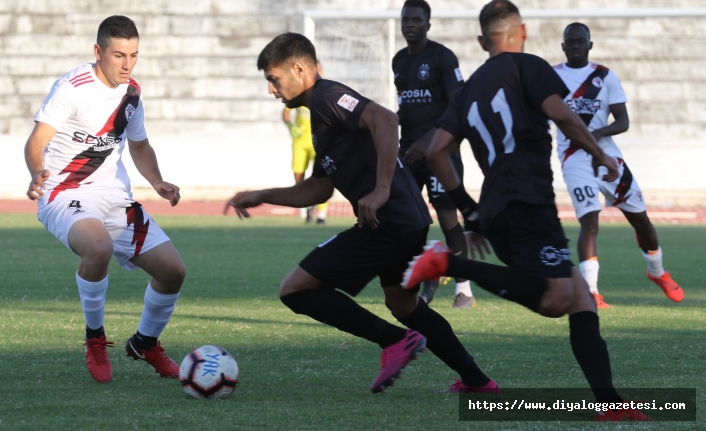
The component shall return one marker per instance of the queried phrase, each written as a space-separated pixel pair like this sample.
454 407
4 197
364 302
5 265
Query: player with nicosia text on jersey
427 75
356 153
503 111
595 93
84 199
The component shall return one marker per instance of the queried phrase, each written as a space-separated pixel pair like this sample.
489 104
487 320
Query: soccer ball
209 372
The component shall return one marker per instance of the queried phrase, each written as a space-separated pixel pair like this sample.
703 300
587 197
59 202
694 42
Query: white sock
464 287
589 271
654 262
156 313
302 212
92 294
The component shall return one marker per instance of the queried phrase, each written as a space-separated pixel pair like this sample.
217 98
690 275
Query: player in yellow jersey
303 153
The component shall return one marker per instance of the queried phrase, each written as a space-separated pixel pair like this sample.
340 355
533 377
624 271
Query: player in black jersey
503 110
426 76
356 152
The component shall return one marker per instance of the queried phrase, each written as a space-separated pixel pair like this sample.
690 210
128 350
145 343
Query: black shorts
531 237
425 177
353 258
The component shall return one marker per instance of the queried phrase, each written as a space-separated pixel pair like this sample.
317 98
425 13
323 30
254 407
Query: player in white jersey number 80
84 199
595 94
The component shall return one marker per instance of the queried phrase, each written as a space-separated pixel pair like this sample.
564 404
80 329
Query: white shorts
133 231
583 186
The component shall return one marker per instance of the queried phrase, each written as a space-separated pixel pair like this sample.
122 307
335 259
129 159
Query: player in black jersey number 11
503 111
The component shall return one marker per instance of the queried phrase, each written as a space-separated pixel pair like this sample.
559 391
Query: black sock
94 333
442 341
513 284
337 309
591 353
143 342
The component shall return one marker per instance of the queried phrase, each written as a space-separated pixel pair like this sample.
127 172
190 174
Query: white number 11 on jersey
499 105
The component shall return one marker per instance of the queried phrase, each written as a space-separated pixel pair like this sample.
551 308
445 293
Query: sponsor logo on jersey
552 256
459 75
348 102
327 163
129 110
98 143
585 106
414 96
597 82
423 72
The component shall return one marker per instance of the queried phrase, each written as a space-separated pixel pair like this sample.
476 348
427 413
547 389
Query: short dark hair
420 4
284 47
496 11
578 24
118 27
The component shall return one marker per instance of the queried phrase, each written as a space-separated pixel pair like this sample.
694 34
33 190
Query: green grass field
297 374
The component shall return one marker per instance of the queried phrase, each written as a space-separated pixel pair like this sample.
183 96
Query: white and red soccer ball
209 372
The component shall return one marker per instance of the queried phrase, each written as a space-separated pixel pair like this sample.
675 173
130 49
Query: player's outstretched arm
575 130
145 160
311 191
382 124
34 157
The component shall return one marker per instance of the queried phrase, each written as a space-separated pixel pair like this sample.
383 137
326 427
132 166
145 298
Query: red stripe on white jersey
79 77
83 82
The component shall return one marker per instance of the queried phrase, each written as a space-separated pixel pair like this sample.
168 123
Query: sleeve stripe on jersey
83 82
81 79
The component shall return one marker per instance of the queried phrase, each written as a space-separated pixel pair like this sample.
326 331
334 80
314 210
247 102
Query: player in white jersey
84 198
594 94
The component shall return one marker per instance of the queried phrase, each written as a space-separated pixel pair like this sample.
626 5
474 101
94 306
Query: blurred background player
84 198
303 152
594 94
427 74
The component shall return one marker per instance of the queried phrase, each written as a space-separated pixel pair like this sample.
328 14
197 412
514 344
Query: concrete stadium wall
216 129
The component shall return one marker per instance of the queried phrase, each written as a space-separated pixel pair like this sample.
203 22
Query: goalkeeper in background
302 154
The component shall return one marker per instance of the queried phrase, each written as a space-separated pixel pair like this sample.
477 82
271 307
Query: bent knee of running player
566 296
297 280
400 302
